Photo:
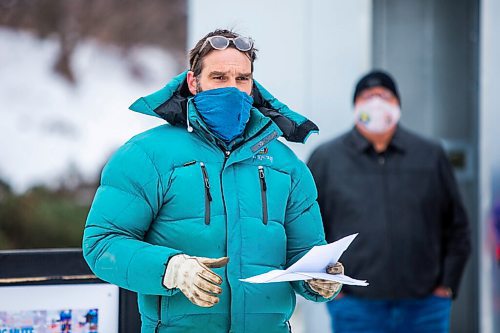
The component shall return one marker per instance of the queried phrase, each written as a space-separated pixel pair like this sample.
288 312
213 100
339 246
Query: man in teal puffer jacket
187 209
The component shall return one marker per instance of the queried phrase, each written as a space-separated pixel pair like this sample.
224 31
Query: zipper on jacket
227 153
157 328
263 191
208 196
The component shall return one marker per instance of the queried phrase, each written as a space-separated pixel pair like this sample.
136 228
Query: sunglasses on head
241 43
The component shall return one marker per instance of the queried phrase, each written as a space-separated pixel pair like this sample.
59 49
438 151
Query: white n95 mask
377 115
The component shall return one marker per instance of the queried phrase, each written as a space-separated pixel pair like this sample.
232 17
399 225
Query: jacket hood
170 103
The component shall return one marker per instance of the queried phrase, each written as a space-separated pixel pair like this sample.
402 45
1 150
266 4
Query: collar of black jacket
362 144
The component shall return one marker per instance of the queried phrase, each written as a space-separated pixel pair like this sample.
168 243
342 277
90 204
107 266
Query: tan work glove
192 275
327 288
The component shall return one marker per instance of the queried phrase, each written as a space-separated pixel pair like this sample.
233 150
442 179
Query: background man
176 202
398 191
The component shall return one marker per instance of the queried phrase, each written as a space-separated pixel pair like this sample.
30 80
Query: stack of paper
312 266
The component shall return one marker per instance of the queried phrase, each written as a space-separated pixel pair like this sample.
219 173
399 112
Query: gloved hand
192 275
327 288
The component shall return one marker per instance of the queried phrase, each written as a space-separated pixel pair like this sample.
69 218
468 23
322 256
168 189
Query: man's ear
191 82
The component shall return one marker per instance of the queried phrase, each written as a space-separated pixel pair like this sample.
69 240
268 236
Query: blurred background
69 69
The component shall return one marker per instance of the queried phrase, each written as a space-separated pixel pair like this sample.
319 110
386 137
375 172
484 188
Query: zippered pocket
263 194
208 196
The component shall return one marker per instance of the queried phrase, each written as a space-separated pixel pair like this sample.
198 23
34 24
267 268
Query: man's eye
243 78
220 77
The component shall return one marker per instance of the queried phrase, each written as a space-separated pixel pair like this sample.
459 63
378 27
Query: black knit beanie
376 79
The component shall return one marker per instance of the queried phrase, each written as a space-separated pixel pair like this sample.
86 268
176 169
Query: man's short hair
197 54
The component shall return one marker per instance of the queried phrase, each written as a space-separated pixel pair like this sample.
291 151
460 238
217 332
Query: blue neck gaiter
225 111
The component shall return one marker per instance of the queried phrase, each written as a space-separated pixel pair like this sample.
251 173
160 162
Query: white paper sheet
312 266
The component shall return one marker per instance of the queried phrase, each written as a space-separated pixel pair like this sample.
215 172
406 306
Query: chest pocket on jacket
191 193
265 193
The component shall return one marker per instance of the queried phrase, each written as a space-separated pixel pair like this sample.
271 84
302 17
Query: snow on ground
48 125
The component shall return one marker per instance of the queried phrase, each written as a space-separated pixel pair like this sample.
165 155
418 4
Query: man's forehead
228 56
377 88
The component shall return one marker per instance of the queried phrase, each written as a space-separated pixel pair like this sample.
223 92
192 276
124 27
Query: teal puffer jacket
169 191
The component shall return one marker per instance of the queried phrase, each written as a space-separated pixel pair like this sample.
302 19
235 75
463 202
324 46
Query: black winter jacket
405 204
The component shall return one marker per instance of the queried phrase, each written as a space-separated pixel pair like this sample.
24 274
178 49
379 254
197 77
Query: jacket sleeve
456 233
303 226
126 203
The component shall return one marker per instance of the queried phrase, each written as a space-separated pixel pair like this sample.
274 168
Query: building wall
311 53
489 161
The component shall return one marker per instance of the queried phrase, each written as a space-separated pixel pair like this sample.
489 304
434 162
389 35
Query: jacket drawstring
189 127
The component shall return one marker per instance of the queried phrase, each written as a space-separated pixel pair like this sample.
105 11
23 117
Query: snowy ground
47 125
